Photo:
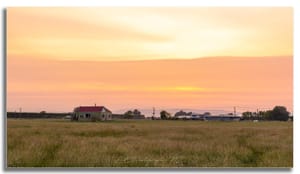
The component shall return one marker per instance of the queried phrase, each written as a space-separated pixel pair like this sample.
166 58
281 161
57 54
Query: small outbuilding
91 113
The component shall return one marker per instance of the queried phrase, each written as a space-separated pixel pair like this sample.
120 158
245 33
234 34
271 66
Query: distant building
188 115
222 118
91 113
185 117
207 117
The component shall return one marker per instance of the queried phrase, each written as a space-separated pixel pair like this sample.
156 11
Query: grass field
147 143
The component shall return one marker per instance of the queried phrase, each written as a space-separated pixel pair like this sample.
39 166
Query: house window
87 115
81 116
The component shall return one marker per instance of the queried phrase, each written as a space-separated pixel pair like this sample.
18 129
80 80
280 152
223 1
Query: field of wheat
148 143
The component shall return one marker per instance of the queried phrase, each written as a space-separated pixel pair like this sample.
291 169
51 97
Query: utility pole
20 113
153 114
234 111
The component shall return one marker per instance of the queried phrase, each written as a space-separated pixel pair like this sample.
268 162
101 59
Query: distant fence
35 115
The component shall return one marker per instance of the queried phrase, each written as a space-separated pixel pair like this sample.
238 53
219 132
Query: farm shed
91 113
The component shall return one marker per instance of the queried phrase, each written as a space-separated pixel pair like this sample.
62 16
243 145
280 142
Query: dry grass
61 143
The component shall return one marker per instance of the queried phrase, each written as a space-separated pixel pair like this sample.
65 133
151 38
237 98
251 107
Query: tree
268 115
247 115
261 115
180 113
164 115
207 114
136 112
129 114
280 113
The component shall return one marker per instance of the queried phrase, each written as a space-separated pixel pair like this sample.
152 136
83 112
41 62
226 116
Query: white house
91 113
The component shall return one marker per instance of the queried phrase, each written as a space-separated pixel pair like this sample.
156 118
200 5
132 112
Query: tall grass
61 143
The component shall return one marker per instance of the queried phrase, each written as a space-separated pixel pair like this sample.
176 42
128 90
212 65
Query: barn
91 113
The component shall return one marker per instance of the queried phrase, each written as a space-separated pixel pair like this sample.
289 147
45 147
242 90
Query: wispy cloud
130 33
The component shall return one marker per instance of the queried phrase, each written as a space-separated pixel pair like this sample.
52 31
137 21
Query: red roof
90 109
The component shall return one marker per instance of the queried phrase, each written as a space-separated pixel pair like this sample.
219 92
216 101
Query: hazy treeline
278 113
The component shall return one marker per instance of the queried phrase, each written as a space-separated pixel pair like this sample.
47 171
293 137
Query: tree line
278 113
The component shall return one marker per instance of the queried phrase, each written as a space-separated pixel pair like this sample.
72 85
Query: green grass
147 143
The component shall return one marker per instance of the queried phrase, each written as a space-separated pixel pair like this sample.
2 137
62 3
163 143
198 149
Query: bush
280 113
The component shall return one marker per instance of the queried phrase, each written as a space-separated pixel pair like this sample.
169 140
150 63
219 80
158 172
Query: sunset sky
125 57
